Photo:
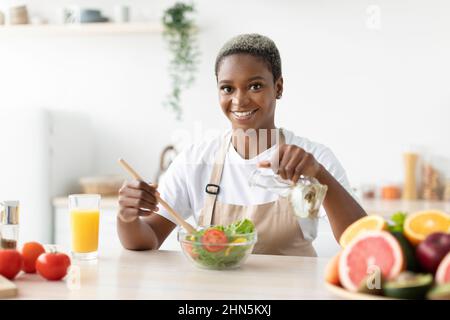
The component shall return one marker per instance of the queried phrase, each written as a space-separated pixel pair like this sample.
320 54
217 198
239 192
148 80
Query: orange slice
369 223
420 224
332 270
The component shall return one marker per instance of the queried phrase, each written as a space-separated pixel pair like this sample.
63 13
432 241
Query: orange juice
85 225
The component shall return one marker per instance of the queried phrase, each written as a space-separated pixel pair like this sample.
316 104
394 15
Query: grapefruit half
367 253
443 271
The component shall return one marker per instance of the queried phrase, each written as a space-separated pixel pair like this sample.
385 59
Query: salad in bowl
219 247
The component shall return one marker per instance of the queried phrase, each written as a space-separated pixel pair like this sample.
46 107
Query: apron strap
213 188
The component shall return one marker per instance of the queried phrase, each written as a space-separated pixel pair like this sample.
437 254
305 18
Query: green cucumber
409 285
439 292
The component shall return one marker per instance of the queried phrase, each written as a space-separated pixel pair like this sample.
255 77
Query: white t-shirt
183 184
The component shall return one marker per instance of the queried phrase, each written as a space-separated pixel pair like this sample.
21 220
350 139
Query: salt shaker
9 228
306 196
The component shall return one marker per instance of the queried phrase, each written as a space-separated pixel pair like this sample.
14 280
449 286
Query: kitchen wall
367 88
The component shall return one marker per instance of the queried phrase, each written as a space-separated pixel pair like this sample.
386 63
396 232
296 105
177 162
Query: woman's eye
226 89
256 86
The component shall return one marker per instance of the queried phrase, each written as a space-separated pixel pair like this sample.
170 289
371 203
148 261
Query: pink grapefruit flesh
366 252
443 271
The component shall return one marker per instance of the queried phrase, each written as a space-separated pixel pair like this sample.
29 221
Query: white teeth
243 114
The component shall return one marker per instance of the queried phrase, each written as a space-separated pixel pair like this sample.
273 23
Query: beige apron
278 229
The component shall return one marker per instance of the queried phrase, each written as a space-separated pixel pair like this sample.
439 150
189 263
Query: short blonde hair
256 45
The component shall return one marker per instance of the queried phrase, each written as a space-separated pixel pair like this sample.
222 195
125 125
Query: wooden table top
169 275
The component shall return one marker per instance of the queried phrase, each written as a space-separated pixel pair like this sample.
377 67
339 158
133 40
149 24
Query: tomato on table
53 266
213 240
10 263
30 252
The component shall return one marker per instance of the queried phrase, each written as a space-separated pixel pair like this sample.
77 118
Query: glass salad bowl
218 247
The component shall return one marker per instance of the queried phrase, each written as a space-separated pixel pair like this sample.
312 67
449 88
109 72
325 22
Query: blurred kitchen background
369 79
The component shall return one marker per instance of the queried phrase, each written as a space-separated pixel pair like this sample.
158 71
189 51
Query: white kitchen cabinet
43 152
25 137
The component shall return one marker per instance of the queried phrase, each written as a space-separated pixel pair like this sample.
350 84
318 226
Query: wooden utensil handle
166 206
130 170
177 217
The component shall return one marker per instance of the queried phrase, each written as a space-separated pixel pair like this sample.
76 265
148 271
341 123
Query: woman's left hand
293 162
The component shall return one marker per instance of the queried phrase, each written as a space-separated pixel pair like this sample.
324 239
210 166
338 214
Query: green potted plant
180 36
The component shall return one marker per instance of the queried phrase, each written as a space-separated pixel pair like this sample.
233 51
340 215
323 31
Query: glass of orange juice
84 220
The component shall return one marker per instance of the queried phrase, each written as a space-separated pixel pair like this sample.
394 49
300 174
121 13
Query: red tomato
30 252
213 240
53 266
10 263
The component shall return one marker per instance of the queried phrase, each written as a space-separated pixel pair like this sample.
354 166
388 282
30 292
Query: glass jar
306 196
9 227
446 195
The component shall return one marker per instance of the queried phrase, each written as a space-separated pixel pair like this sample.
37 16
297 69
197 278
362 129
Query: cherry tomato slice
214 240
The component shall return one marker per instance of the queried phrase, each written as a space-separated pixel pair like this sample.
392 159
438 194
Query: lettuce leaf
396 222
240 227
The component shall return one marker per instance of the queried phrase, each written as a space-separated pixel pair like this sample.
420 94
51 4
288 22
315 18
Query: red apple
432 250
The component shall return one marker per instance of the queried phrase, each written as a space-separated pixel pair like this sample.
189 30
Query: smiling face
247 92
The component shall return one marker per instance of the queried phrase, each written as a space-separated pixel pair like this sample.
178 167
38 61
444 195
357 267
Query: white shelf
82 29
388 207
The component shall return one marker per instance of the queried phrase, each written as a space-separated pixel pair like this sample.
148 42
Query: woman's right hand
137 198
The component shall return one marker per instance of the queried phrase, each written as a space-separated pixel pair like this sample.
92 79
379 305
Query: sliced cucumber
408 285
440 292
